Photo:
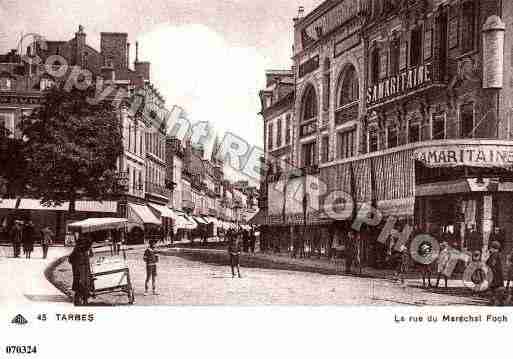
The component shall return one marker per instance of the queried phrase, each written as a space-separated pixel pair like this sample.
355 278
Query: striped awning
139 213
163 210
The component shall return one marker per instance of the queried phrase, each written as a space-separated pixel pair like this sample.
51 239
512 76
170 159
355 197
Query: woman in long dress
80 264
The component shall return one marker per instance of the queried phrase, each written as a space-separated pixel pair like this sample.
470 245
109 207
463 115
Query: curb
49 274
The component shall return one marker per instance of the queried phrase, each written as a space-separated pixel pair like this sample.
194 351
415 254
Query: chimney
80 43
128 54
137 51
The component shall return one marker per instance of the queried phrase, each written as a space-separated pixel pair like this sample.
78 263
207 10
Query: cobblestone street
188 282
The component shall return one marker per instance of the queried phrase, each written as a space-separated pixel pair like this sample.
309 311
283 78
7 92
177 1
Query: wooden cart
109 274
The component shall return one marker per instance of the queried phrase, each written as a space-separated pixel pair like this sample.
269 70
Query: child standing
151 259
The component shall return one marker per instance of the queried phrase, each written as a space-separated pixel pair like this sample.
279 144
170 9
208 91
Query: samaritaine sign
400 84
466 155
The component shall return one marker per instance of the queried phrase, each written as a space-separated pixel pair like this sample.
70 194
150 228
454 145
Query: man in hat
16 237
80 265
151 259
494 262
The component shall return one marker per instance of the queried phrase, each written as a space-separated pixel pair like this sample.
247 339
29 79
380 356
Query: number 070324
21 349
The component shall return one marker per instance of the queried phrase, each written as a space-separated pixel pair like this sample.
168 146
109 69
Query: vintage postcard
171 154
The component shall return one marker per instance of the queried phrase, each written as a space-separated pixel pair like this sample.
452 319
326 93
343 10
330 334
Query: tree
72 147
13 164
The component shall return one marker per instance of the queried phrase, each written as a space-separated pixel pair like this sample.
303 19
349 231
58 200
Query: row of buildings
405 106
165 183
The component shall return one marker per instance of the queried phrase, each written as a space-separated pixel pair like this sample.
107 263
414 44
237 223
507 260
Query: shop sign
466 155
20 100
400 84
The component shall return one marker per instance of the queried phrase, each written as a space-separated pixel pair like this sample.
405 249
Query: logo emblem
19 320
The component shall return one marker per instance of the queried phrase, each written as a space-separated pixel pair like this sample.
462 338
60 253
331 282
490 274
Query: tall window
413 131
375 66
278 133
468 26
270 136
416 46
308 154
287 130
346 141
395 52
349 89
467 120
392 139
326 85
373 140
325 149
309 104
438 127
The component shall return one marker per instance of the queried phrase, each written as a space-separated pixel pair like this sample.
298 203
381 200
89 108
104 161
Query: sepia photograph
223 153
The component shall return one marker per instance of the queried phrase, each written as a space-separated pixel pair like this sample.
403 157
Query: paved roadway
22 281
185 282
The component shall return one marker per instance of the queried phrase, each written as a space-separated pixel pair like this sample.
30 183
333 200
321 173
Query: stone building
396 108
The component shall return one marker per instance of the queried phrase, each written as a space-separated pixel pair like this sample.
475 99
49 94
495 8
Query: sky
207 56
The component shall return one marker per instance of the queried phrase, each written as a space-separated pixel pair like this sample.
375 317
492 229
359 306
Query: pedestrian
426 269
16 237
494 262
46 240
252 241
497 235
151 259
245 241
234 251
28 239
81 268
350 251
442 264
402 263
509 266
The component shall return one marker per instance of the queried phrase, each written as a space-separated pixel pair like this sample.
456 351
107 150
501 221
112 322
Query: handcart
109 274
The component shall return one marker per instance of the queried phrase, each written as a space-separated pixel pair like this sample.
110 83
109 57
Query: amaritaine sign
466 155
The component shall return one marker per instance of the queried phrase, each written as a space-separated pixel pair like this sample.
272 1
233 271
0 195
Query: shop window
278 133
468 26
467 120
345 142
416 46
372 140
270 137
395 52
392 138
287 130
375 66
309 104
438 127
325 149
349 89
413 132
308 154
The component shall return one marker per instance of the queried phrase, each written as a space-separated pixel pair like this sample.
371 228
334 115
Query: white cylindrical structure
493 52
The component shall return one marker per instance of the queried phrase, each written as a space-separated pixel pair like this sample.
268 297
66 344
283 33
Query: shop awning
182 221
8 203
36 205
142 214
200 220
163 210
259 219
97 224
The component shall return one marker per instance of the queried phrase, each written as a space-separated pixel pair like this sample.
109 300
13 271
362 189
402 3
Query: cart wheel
131 296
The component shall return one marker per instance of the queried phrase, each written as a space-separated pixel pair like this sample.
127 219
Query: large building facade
405 107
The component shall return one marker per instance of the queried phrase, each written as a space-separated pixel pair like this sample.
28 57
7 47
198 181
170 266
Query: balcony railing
158 189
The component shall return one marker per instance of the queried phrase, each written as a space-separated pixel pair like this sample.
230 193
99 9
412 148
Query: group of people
23 235
346 247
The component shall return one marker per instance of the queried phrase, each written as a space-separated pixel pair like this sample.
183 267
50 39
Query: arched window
349 91
309 105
